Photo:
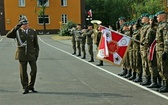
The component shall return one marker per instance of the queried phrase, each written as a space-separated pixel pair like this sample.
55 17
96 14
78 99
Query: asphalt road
64 79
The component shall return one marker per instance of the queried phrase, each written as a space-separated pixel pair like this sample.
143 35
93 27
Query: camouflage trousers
137 62
145 68
153 67
162 65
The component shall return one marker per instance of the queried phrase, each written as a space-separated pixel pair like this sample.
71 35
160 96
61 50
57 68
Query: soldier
137 62
97 36
144 49
152 64
83 42
126 61
119 26
27 52
162 49
73 40
78 33
89 38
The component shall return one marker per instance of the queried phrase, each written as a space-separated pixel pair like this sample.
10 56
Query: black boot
139 78
74 53
147 81
79 54
92 59
129 74
123 73
100 63
154 83
133 76
164 88
84 57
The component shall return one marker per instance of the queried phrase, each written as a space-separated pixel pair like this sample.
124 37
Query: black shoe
145 83
153 85
138 79
79 55
123 73
127 76
163 89
34 91
83 58
99 65
91 61
73 53
26 91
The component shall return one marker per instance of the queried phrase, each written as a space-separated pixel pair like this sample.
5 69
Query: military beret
121 18
145 15
151 16
125 24
90 25
160 12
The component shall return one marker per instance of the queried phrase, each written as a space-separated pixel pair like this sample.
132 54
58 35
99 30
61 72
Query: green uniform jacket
89 36
161 37
29 53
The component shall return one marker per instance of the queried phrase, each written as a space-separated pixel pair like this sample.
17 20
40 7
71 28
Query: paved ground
64 79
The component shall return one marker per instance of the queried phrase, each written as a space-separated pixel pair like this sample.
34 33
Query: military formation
146 61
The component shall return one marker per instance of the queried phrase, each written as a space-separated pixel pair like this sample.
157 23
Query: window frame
20 2
47 4
64 3
64 18
38 17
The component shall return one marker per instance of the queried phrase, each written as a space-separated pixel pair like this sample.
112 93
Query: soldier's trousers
78 46
162 65
153 67
83 48
144 57
126 64
130 59
24 76
137 62
90 49
74 45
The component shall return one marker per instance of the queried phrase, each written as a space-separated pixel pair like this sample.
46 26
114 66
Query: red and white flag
113 46
89 13
151 50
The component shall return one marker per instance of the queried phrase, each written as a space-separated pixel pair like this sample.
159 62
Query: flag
113 46
151 50
89 13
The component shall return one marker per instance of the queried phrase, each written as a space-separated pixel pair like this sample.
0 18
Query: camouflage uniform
162 54
137 61
144 55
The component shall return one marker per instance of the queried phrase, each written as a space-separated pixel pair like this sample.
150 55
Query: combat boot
92 59
154 83
100 63
139 78
129 74
147 81
133 76
79 54
123 73
164 88
84 57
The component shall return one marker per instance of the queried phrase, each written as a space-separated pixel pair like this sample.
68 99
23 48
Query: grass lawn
58 37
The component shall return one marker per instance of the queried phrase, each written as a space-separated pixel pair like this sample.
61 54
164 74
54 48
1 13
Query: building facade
57 12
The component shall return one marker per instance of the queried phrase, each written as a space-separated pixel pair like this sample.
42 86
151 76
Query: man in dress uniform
27 52
162 49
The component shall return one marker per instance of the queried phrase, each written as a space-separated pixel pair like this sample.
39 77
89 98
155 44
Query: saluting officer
162 49
27 52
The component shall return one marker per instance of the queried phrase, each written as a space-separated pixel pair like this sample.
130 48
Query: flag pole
123 34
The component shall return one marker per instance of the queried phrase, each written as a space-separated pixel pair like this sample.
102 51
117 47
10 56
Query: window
63 2
21 3
46 19
46 3
64 18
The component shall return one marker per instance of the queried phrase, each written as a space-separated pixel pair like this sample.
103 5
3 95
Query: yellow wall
13 11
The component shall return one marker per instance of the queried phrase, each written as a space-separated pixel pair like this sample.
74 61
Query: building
57 12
